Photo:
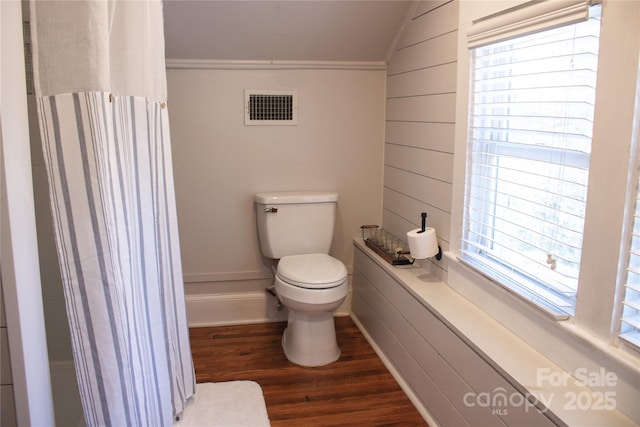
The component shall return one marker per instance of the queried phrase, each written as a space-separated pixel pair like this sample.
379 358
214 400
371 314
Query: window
531 120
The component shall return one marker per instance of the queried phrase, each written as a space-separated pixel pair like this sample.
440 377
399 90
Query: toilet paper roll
423 245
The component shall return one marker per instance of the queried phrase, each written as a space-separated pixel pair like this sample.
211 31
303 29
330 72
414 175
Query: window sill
552 313
570 348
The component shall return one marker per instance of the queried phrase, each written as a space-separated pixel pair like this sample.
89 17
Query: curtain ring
110 97
163 105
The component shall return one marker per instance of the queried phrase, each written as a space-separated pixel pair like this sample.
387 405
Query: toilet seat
312 271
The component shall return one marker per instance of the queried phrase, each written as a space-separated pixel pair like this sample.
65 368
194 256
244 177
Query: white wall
219 163
420 123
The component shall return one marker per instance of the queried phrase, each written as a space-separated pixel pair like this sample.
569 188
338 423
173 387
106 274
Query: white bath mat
226 404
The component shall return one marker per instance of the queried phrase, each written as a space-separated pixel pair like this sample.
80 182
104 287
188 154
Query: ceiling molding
209 64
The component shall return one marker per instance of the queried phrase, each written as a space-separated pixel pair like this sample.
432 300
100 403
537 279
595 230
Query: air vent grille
263 107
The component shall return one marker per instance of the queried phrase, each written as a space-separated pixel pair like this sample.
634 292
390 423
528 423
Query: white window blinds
630 320
532 102
629 310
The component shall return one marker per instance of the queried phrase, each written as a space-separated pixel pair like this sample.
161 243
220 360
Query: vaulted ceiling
298 30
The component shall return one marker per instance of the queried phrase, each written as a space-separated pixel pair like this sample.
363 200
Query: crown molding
208 64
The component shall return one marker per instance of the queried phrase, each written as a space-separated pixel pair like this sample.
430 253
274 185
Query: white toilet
296 228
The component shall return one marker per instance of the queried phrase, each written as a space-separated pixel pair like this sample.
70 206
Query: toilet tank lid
292 197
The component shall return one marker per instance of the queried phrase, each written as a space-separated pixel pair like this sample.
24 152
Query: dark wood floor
357 390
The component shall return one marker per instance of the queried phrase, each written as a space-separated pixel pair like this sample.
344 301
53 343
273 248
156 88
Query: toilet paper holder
423 242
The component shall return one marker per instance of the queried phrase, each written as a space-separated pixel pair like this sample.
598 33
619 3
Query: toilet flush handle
272 209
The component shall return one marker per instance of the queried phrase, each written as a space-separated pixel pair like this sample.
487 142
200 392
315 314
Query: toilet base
310 339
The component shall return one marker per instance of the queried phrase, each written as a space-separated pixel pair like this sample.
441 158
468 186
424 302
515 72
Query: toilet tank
291 223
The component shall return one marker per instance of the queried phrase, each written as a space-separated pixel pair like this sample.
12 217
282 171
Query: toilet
296 228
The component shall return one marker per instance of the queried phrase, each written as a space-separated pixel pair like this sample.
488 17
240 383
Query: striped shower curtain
108 159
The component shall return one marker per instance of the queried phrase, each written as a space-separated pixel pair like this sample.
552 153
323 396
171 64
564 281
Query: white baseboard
396 375
232 309
228 308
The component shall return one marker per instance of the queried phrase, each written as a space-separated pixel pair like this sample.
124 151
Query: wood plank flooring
357 390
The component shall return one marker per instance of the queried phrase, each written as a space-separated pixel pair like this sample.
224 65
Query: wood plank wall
437 362
420 122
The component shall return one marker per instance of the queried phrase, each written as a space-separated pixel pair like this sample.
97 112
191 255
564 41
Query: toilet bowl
311 286
295 229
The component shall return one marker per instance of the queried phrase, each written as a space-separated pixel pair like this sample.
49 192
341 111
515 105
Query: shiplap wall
420 122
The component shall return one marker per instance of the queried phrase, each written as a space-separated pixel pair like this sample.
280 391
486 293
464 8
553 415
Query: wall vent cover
270 107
